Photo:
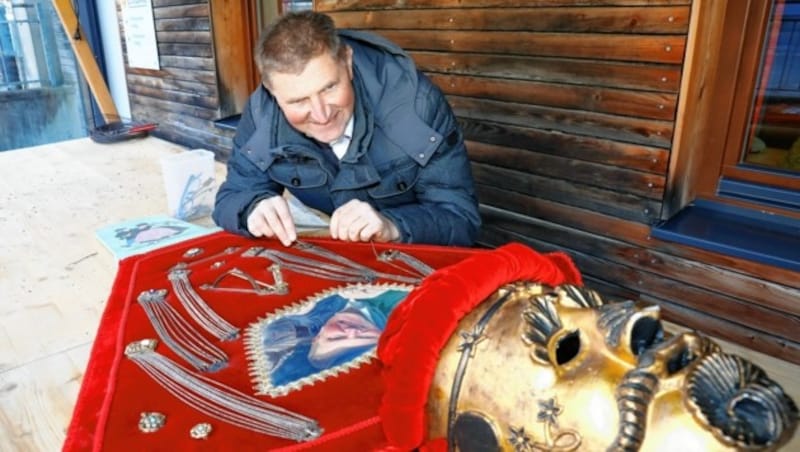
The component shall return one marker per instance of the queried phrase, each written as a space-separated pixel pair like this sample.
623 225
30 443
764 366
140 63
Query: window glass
268 10
28 53
297 5
774 141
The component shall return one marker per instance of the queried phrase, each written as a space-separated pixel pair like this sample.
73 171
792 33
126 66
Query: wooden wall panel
183 96
598 73
183 24
640 104
640 48
645 184
628 129
517 186
655 20
340 5
591 149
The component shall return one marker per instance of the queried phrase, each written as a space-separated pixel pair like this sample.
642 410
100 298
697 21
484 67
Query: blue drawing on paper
195 198
139 235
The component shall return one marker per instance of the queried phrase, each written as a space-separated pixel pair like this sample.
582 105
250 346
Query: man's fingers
341 218
276 226
359 229
370 230
256 225
359 221
271 218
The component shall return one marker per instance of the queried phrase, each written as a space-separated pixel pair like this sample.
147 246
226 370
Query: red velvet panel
115 390
422 325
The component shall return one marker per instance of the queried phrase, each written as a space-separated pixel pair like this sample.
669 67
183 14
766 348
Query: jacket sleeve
245 183
447 211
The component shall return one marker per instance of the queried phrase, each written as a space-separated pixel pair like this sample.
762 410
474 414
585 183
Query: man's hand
358 221
271 218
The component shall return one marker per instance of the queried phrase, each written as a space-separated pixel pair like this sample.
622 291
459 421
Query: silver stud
150 422
422 156
433 139
200 431
193 252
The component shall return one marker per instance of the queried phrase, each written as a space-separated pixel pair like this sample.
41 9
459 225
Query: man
350 127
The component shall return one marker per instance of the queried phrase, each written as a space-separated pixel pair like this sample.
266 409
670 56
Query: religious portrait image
327 334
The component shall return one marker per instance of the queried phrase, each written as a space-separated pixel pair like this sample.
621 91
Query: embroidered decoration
150 422
327 334
280 287
219 401
416 266
178 334
192 252
319 262
200 431
200 311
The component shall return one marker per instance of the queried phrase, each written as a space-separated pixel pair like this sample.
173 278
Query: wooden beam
86 61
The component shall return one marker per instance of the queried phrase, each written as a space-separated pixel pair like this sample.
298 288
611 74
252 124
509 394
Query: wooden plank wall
183 96
569 109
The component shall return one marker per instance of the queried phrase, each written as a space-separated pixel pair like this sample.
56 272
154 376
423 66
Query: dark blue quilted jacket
406 158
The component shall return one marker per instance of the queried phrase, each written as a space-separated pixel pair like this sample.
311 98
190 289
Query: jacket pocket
397 182
298 175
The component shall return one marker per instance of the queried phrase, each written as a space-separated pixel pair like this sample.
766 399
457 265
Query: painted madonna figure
553 367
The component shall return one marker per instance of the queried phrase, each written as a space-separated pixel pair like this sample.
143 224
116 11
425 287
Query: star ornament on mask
469 340
520 440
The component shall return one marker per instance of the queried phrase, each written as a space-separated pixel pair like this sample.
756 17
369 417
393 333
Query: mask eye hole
474 432
679 361
567 347
645 332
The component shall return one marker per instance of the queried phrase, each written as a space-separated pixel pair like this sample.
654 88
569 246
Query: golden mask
540 369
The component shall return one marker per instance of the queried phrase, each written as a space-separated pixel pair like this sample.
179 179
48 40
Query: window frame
234 33
756 24
236 28
721 71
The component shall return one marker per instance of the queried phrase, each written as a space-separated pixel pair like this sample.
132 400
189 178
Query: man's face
342 332
318 102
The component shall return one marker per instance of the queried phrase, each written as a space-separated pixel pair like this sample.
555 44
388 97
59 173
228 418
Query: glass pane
297 5
42 91
775 124
268 10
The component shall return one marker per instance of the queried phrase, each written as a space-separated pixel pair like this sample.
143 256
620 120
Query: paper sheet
305 217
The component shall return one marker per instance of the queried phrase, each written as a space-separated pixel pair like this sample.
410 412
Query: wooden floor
55 276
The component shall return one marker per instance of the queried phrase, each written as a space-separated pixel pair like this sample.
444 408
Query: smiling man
346 123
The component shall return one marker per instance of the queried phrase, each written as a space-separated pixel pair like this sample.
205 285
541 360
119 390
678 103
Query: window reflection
268 10
295 5
775 124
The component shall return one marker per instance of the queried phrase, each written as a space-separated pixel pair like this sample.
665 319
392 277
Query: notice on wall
140 34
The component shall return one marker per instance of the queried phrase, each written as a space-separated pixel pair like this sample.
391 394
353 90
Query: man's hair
291 41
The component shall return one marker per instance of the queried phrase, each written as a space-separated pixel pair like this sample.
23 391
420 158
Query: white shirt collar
340 145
